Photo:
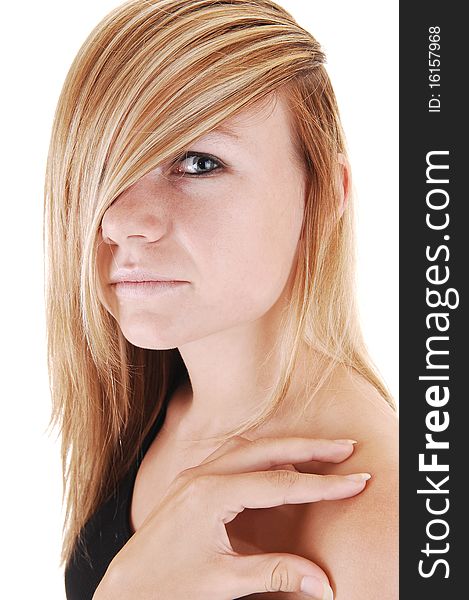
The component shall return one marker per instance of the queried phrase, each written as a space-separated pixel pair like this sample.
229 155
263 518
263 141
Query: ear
344 182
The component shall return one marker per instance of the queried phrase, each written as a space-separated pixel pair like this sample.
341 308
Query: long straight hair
152 77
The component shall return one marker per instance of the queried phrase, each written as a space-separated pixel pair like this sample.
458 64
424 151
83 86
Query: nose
136 216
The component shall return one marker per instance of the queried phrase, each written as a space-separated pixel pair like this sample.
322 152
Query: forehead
266 118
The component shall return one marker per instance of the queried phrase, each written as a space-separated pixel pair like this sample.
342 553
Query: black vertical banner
434 267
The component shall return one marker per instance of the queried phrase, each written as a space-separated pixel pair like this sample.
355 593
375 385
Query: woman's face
227 223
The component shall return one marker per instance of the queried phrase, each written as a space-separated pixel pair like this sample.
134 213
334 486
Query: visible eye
197 163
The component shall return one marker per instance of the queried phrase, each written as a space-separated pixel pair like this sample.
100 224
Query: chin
149 338
153 346
151 342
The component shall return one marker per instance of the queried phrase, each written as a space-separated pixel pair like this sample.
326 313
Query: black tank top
107 531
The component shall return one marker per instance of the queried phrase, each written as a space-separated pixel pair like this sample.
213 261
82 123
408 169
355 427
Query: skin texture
185 535
233 235
354 540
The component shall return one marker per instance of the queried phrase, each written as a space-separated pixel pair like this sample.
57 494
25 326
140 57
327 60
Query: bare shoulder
351 407
355 540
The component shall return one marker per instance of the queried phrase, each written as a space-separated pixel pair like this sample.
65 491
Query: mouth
139 276
135 289
148 281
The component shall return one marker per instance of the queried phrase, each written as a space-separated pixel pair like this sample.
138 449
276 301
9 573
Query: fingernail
345 441
328 593
358 476
316 588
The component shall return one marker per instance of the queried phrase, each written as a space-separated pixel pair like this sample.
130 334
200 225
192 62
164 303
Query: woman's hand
182 549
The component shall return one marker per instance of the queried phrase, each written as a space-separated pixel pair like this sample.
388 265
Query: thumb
280 572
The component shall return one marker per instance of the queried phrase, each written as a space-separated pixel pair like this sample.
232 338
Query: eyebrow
225 130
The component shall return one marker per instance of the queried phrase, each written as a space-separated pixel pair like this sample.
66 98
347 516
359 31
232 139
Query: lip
141 276
139 289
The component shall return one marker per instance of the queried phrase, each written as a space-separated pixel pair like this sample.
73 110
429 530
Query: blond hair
152 77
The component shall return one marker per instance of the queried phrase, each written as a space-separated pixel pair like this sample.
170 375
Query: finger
235 442
279 572
231 494
285 468
265 453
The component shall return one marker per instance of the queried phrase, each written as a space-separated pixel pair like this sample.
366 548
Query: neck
231 372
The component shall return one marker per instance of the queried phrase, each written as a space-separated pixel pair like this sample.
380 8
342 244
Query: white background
39 41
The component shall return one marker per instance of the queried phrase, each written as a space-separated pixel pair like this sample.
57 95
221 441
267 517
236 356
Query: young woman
206 360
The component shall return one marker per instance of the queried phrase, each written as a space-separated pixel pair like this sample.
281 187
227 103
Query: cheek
249 252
